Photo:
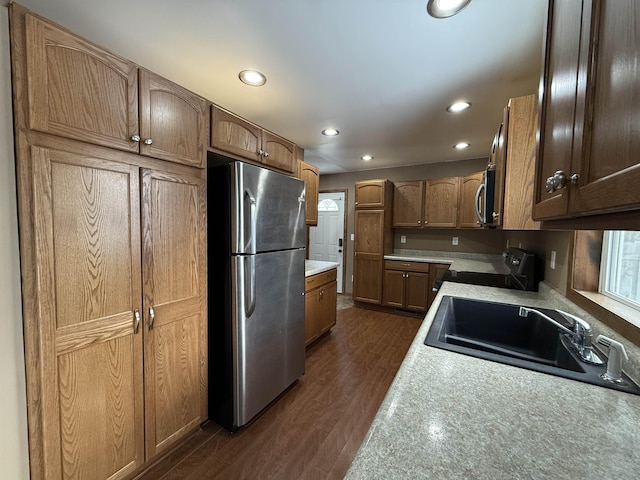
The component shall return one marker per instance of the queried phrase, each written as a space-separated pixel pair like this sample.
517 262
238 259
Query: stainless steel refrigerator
256 254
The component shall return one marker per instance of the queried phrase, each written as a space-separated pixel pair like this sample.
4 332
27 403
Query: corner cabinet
589 148
231 134
320 304
373 238
80 91
311 177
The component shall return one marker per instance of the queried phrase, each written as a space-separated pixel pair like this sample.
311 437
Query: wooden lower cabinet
435 271
101 257
320 304
406 285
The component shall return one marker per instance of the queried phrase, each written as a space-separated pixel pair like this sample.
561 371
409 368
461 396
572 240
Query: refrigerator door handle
250 243
478 193
249 285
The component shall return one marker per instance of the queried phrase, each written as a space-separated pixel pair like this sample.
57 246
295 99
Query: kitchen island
452 416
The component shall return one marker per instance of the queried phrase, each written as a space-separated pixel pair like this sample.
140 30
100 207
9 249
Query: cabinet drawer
319 279
406 266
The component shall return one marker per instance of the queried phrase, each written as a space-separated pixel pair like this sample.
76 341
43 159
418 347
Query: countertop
462 262
452 416
313 267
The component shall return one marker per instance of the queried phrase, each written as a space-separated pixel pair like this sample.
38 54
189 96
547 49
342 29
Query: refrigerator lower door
268 328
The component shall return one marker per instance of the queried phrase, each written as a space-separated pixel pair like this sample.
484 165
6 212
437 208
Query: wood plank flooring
315 428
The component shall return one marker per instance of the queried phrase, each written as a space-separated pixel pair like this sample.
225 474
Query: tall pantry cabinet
112 240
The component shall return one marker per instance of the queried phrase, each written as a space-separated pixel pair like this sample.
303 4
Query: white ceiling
380 71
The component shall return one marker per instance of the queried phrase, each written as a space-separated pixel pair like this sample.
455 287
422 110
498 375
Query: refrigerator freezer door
269 328
268 210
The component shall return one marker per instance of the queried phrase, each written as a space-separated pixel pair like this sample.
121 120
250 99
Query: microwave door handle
477 204
250 242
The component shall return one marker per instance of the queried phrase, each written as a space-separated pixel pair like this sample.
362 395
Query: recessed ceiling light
367 157
458 107
461 145
252 77
330 132
445 8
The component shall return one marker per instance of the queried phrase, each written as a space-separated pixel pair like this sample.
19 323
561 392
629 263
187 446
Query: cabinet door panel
328 298
174 286
311 176
441 202
233 135
557 104
367 270
417 291
370 193
77 90
88 262
311 314
609 166
394 288
370 230
281 152
408 203
468 187
174 119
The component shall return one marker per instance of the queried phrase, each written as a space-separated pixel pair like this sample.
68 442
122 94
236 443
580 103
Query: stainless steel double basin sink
495 331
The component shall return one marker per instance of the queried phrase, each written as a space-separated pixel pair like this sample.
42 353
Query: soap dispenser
614 363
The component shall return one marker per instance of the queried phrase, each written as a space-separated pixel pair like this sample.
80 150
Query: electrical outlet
454 241
519 244
552 262
403 239
507 243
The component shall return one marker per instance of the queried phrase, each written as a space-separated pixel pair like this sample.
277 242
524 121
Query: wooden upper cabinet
174 286
371 193
441 208
408 204
311 176
469 185
590 109
83 342
232 134
278 152
76 89
173 121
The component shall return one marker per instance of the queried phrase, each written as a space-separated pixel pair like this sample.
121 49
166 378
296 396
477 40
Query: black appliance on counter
525 272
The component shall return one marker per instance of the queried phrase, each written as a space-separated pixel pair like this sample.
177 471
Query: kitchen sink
495 331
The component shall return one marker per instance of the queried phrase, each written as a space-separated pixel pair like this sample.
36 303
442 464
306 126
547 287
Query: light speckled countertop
313 267
462 262
452 416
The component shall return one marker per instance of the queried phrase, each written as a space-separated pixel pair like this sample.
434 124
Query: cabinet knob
266 154
152 317
418 222
495 216
136 321
148 141
560 180
135 138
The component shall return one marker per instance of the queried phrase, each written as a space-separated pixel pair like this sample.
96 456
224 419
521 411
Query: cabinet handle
559 180
135 138
136 322
418 222
495 216
148 141
321 293
406 264
152 316
266 154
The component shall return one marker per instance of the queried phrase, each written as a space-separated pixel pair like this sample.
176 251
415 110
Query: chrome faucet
581 334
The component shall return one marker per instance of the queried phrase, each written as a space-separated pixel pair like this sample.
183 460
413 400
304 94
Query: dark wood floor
314 430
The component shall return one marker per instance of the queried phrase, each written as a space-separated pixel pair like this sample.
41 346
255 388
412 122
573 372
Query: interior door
326 242
174 286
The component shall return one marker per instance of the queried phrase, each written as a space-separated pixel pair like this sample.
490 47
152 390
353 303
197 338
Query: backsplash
469 240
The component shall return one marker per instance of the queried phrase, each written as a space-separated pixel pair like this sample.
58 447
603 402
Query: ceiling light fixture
252 77
445 8
458 107
461 145
330 132
367 157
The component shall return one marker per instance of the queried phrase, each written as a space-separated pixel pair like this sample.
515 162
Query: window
328 205
620 267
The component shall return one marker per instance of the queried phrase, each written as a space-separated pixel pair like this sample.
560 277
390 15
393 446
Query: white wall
14 454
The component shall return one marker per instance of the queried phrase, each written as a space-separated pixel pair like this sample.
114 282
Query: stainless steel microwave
485 196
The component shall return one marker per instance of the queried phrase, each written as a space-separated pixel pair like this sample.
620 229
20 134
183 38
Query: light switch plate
353 237
552 262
